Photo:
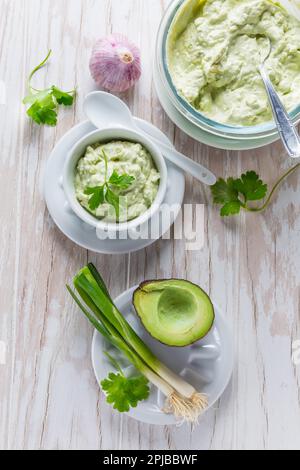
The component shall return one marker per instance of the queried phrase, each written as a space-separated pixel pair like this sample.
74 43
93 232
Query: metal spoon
286 127
104 109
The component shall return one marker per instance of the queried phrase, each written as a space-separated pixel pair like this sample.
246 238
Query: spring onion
182 399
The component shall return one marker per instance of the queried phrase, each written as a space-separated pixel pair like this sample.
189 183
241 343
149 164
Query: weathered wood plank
250 265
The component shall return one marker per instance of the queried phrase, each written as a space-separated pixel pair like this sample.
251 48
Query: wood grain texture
250 265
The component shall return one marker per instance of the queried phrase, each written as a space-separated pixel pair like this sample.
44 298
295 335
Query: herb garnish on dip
116 181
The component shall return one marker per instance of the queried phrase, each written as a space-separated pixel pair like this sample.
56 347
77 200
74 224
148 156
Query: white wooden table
250 265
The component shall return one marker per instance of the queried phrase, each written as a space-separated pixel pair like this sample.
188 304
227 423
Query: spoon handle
199 172
286 128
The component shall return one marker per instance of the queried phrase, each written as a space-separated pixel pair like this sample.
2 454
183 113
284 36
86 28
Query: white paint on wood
250 265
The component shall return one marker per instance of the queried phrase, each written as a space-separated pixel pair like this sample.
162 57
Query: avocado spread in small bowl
211 53
115 179
119 170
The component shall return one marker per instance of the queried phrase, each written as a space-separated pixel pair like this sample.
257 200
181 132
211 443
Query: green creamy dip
124 158
214 49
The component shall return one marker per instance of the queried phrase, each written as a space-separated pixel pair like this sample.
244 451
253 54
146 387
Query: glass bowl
262 131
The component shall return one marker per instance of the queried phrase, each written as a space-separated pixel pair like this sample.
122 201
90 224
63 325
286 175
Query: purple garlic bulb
115 63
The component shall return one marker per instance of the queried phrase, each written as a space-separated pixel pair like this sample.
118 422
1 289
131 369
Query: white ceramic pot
102 136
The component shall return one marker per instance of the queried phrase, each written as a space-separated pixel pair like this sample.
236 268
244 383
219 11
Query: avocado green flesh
175 312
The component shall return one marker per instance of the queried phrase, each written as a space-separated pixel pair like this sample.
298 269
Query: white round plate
200 135
207 365
81 233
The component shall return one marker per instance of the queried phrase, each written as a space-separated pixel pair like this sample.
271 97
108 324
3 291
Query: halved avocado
175 312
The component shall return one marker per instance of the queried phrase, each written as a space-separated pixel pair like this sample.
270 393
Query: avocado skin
157 281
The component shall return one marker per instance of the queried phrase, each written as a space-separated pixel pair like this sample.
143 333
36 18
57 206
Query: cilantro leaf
121 181
231 208
251 186
38 96
43 104
62 97
43 111
224 191
125 393
234 194
97 196
114 200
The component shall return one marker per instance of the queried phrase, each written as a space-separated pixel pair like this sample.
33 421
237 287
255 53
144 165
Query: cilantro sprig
44 104
235 195
107 192
123 392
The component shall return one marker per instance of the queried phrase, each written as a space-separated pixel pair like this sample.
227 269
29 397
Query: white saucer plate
207 365
78 231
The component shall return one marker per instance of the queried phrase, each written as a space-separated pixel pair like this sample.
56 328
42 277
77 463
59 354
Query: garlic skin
115 63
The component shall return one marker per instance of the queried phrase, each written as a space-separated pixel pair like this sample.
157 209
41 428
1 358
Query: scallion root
188 410
200 401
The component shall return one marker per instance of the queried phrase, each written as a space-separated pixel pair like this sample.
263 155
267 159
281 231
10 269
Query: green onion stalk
182 399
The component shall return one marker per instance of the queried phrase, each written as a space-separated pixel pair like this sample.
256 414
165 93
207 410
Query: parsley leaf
231 208
62 97
40 96
121 181
234 194
97 196
44 103
251 187
43 113
125 393
224 191
100 194
114 200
